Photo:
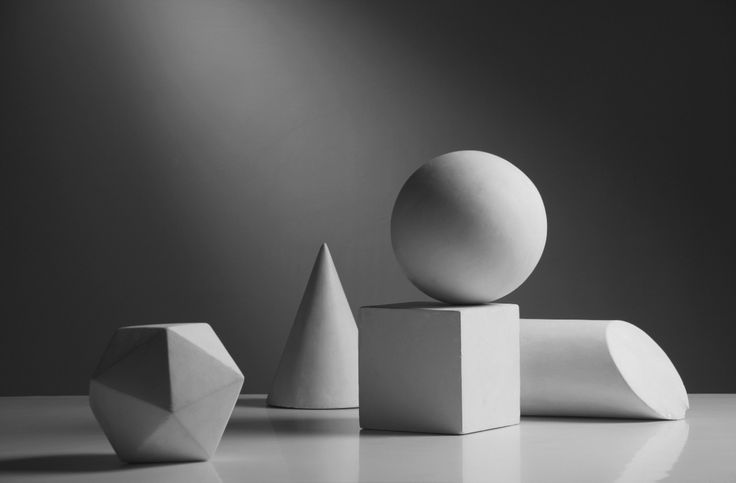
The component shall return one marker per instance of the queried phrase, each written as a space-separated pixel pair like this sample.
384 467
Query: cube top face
439 369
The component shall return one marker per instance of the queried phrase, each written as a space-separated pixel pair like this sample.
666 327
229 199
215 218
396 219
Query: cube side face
490 367
410 370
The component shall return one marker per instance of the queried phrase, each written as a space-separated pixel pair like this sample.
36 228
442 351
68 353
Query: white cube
435 368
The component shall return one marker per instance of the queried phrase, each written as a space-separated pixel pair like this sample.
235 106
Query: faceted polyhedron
165 392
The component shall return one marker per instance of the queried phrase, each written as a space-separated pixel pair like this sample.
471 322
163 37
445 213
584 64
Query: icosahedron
165 392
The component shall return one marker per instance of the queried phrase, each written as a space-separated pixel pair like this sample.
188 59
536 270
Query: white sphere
468 227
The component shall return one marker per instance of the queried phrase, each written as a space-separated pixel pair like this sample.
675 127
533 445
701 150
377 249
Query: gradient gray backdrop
181 160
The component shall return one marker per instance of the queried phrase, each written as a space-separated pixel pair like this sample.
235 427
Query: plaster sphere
468 227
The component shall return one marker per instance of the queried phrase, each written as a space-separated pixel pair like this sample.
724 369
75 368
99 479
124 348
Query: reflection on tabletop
57 439
322 446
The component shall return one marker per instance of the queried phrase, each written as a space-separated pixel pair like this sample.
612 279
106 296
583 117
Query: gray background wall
176 160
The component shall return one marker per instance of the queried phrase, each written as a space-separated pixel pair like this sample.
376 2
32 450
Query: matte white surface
597 368
165 392
319 364
468 227
47 439
439 369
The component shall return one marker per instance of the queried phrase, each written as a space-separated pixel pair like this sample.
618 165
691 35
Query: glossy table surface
57 439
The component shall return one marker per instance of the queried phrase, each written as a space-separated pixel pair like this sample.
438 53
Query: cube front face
410 370
439 369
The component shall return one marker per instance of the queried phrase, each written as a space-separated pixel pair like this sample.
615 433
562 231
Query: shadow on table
585 420
66 463
101 464
245 402
288 424
384 433
296 425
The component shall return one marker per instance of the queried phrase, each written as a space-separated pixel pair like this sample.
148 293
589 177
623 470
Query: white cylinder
596 368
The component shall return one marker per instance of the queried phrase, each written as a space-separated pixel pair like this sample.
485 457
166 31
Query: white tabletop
57 439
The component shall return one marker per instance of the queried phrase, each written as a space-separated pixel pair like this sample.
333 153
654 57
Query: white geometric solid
165 392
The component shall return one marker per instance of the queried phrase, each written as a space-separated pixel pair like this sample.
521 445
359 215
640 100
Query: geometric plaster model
432 368
165 392
468 227
319 364
596 368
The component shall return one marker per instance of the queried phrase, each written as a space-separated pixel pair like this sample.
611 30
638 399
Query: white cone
319 365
